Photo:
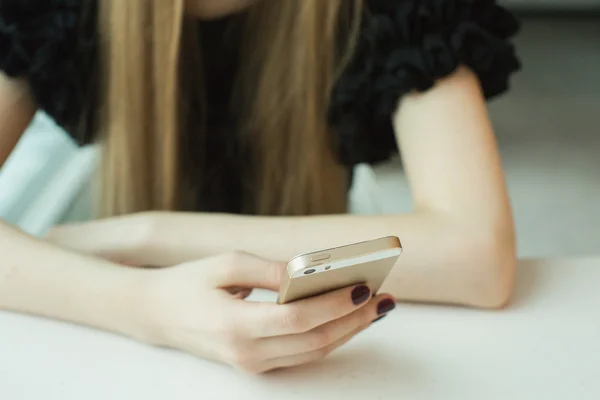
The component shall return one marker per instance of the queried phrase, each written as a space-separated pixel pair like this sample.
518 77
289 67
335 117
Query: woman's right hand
200 308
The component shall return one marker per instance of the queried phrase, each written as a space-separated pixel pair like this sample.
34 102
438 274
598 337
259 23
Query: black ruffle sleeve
52 44
407 45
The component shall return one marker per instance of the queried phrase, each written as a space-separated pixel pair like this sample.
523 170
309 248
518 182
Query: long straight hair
291 55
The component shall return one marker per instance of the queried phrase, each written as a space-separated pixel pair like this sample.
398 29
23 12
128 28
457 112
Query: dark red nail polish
379 319
385 306
360 294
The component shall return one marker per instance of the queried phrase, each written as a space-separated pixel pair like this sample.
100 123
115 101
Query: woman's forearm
448 258
39 279
445 260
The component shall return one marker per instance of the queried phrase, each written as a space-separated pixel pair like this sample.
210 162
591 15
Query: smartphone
322 271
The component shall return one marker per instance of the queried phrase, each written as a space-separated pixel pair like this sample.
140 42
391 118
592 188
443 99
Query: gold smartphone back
320 272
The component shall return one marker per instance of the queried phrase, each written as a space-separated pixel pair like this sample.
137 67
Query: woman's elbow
492 265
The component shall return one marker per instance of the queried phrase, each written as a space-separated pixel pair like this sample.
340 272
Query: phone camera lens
309 271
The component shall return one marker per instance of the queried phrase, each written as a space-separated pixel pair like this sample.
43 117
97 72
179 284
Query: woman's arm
459 241
40 279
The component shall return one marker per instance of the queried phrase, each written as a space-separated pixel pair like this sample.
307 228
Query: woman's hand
199 308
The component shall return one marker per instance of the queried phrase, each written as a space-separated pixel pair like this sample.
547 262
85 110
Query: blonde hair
290 56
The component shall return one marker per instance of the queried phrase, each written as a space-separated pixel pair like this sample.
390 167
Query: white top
546 346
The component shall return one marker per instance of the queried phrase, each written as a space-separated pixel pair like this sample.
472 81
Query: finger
325 335
306 358
243 270
268 320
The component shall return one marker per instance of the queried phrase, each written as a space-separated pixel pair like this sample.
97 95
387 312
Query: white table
546 346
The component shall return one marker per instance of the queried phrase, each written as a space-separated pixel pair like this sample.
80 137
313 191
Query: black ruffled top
405 45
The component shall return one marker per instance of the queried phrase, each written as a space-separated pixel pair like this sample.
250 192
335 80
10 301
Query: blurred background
548 128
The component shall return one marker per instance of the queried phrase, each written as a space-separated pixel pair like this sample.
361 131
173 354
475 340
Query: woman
231 127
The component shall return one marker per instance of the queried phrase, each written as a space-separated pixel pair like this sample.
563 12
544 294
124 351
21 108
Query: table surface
545 346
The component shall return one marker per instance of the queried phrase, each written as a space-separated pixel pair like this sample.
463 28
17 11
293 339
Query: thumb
245 270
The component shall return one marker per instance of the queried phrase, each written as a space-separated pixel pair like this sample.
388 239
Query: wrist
139 240
111 299
171 238
129 314
148 320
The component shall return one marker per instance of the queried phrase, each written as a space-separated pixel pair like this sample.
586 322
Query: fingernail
385 306
360 294
379 319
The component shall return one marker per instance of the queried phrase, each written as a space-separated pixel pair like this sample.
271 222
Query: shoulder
50 44
408 45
